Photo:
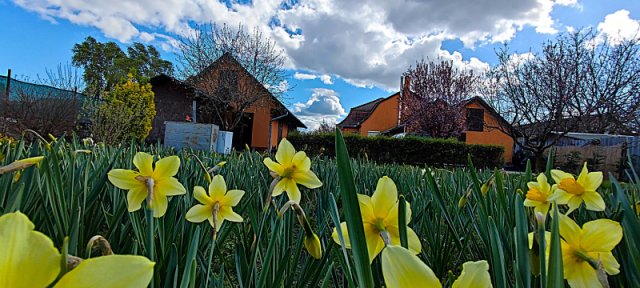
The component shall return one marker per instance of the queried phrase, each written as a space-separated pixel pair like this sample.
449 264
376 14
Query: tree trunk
540 163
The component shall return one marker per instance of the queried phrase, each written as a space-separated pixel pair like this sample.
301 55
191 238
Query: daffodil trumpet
311 240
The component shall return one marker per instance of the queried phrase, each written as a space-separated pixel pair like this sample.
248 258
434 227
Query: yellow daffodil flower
380 214
21 164
573 192
29 259
583 248
160 180
400 268
313 246
538 194
216 205
292 168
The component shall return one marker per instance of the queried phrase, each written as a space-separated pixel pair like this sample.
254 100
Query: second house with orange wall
383 117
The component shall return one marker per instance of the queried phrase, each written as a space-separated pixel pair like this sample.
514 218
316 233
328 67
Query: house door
243 132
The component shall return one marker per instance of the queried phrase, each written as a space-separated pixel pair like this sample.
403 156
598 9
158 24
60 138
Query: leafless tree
224 85
432 103
578 82
52 105
325 128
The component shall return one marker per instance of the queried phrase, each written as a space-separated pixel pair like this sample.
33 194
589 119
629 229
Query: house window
475 119
373 133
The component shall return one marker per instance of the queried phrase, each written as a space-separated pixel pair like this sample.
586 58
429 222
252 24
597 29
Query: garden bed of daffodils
78 214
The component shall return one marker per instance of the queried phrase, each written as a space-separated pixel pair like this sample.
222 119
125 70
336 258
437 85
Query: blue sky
343 55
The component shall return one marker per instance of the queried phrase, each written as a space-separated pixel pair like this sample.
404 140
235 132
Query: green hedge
408 150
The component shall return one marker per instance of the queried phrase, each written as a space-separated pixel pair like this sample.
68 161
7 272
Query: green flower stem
213 245
150 252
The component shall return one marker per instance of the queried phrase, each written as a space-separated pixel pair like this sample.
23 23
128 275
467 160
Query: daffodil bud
313 246
21 164
53 138
484 189
100 242
462 202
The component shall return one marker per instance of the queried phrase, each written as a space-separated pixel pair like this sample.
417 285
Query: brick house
383 116
262 125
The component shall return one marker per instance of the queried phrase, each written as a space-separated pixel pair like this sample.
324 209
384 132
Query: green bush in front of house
408 150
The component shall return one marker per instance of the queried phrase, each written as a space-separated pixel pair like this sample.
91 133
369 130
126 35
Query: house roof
357 115
285 113
479 100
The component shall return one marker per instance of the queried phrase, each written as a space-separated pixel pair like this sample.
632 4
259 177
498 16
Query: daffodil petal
201 195
593 181
170 187
609 263
385 197
228 214
558 175
474 274
560 196
542 208
581 274
375 244
366 208
110 271
293 192
392 217
159 205
273 166
285 152
27 257
345 235
414 241
280 187
219 221
543 184
301 161
167 167
400 268
232 198
199 213
135 197
574 203
217 188
600 235
307 179
584 173
124 179
569 230
144 163
593 201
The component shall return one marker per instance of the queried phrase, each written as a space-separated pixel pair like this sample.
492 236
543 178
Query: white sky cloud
325 78
618 26
323 105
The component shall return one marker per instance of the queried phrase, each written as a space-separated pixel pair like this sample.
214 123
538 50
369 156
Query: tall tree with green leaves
106 64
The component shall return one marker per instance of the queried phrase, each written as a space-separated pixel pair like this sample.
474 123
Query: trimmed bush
408 150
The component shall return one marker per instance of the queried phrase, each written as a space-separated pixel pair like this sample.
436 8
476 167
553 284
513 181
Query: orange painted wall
261 117
492 136
274 132
384 117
